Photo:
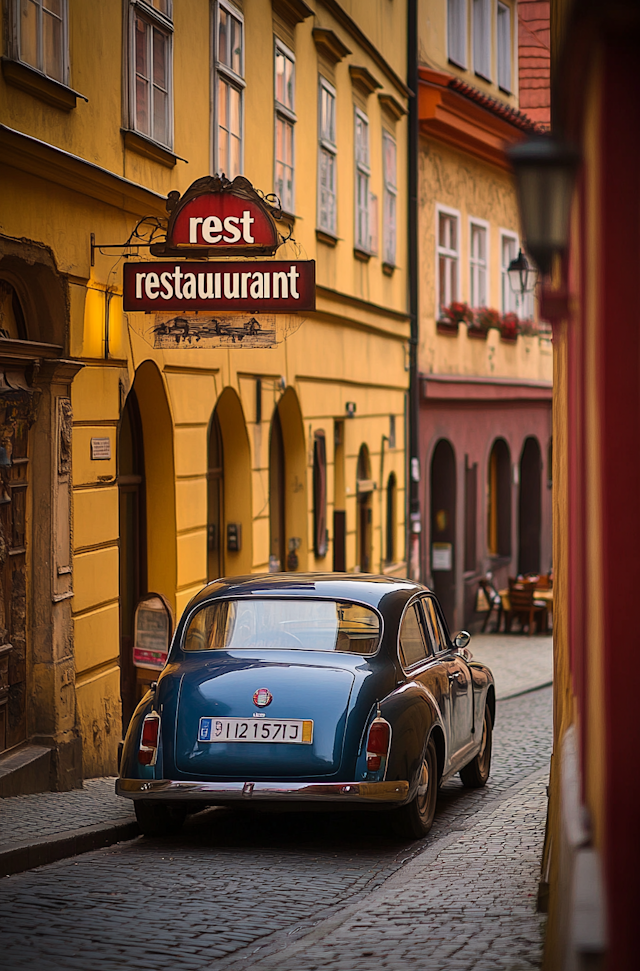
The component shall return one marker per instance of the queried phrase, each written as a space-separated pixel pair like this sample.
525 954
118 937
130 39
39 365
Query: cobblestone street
308 891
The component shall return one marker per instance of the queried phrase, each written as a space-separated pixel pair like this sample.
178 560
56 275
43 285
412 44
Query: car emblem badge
262 697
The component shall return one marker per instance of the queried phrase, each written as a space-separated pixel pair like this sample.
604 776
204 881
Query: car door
419 661
459 678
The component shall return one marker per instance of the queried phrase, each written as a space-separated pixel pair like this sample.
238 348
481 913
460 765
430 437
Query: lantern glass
545 174
522 275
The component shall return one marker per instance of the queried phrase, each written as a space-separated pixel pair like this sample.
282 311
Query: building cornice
464 118
461 387
39 158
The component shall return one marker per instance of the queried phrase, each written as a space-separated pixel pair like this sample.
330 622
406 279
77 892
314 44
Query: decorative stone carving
65 423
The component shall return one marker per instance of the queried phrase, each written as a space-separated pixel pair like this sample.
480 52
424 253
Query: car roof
363 588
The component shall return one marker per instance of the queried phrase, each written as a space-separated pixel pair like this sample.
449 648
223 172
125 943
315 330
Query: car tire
414 820
475 774
157 819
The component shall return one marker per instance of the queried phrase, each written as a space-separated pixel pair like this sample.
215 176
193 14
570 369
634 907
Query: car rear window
296 625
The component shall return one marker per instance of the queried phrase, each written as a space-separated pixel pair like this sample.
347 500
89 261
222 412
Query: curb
526 691
20 855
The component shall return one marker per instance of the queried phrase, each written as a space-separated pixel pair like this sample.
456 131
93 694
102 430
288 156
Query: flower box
448 327
477 333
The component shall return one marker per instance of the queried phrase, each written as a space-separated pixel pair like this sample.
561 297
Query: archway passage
391 519
530 507
288 526
499 500
229 540
215 502
133 544
364 489
443 526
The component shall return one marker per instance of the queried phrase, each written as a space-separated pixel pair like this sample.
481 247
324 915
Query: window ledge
444 327
34 82
150 149
361 254
327 238
388 269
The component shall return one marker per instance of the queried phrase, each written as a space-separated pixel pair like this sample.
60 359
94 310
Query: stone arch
443 525
364 525
30 270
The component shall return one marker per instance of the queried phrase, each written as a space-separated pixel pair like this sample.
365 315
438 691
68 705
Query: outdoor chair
494 600
523 606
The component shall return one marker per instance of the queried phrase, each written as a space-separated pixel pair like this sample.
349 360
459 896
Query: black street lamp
522 275
545 172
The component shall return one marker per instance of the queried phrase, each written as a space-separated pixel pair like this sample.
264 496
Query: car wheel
475 774
414 820
159 819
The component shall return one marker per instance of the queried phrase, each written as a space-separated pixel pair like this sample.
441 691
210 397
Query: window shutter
504 47
482 38
457 32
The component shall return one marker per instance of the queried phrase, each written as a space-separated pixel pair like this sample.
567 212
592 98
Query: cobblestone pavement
48 813
519 663
236 889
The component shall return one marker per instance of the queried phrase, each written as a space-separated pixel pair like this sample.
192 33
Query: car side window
412 646
434 626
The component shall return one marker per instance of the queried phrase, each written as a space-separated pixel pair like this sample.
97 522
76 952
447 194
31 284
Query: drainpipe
414 524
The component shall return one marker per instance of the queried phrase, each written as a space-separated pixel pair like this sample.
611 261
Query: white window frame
163 23
362 171
482 9
15 44
230 77
476 266
457 54
521 304
502 70
451 254
327 147
289 116
389 203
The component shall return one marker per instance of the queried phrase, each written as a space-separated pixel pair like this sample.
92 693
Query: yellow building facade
486 377
156 470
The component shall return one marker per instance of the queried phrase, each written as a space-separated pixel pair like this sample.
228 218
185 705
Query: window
43 36
285 122
362 181
520 304
482 38
319 494
457 32
504 47
151 108
499 500
296 625
434 625
327 157
412 646
389 156
447 258
228 92
478 265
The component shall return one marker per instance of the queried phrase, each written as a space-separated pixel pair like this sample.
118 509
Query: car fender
130 767
484 692
413 714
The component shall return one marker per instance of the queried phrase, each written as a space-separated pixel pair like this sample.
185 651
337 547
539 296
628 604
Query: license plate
291 730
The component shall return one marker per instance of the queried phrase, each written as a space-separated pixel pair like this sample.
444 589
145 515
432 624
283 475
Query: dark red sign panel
221 220
223 287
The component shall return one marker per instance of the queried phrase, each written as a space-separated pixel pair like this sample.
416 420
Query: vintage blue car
334 690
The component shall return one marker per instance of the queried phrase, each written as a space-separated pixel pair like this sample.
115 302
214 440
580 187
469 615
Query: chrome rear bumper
222 792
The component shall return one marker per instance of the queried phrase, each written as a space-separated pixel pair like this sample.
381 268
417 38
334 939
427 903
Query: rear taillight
378 744
148 751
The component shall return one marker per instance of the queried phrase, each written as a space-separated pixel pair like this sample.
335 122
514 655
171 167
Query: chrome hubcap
423 788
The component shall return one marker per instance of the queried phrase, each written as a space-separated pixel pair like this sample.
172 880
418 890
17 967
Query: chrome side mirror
461 640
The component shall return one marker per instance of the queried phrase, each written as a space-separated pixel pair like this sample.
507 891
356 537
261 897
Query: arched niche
39 289
230 533
443 525
364 492
530 507
288 525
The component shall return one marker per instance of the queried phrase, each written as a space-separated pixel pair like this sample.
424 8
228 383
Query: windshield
297 624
